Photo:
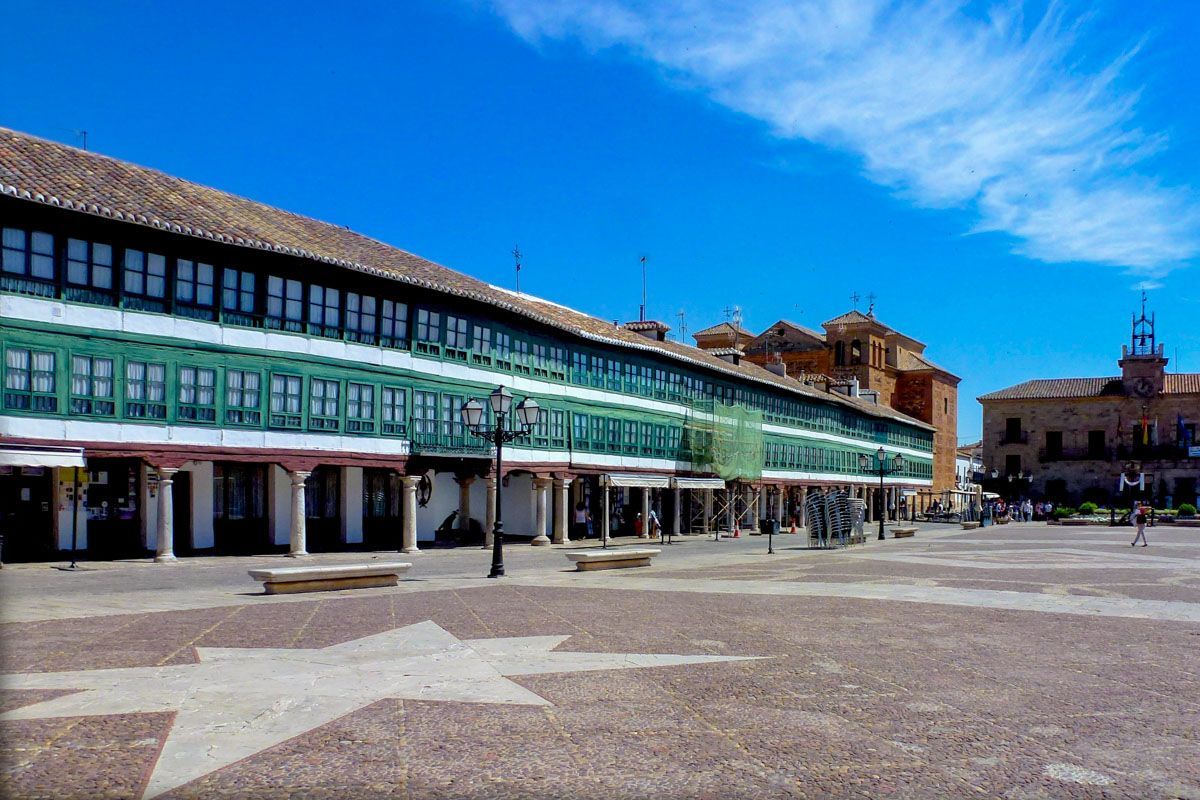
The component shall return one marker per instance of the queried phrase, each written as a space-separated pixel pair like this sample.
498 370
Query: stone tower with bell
1143 365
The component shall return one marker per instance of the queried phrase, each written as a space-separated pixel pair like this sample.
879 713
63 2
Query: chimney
778 367
651 329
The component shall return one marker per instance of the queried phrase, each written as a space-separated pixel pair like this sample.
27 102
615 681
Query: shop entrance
322 493
240 523
26 514
181 513
112 508
382 522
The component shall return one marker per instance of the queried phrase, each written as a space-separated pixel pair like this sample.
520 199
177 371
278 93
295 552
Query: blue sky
1003 177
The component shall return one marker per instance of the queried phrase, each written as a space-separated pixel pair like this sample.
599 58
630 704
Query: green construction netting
726 440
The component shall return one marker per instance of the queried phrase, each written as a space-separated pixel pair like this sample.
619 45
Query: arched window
856 352
839 354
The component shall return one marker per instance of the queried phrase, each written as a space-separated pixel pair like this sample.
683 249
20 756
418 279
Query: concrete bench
970 526
290 580
903 533
612 559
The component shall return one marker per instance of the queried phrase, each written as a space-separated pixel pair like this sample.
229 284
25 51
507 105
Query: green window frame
481 345
92 386
579 368
520 357
647 439
143 280
238 304
425 413
580 431
285 304
614 435
287 409
361 318
428 333
195 288
630 437
393 325
614 375
503 350
360 408
451 417
558 428
30 379
197 394
243 397
394 407
598 437
145 389
541 430
458 337
324 311
558 363
324 404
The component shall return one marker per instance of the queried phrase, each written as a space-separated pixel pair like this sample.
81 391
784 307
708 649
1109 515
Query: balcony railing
1020 437
462 445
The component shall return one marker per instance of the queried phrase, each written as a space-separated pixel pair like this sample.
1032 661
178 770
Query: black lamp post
528 414
883 468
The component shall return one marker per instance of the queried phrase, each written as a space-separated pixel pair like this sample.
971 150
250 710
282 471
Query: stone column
489 522
870 510
541 490
464 502
802 517
298 542
408 537
676 522
165 546
729 511
562 511
645 513
708 505
604 512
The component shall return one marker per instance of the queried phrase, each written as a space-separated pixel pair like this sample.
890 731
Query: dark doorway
382 521
113 513
26 521
181 516
322 507
240 523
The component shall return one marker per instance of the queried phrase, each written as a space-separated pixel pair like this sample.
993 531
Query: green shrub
1187 510
1062 512
1088 508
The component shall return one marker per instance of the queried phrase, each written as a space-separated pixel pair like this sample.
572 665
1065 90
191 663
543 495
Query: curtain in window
135 380
43 372
205 386
102 377
18 370
81 375
156 383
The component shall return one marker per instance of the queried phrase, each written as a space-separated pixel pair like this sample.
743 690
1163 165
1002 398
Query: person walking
1140 518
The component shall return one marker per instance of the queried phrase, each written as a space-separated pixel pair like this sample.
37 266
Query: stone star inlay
236 702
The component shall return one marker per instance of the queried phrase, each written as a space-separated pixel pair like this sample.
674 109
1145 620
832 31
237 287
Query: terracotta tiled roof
855 317
724 327
1061 388
806 331
908 361
48 172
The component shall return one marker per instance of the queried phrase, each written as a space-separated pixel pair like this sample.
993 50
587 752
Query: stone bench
970 526
612 559
903 533
290 580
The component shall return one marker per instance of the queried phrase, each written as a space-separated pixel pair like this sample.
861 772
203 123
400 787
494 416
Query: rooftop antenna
682 325
643 314
854 298
82 134
734 314
516 254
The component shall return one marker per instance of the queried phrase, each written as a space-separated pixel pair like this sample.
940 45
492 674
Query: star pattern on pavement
235 702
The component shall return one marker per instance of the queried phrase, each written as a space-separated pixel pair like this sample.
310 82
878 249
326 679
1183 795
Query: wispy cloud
995 114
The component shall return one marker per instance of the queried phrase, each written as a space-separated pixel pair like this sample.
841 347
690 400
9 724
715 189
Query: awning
639 481
698 483
15 455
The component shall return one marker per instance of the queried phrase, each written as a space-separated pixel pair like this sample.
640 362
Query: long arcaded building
187 371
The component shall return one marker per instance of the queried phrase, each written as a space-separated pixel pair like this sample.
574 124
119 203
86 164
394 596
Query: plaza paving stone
1011 690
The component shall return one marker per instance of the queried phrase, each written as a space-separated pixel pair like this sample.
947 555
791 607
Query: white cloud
948 110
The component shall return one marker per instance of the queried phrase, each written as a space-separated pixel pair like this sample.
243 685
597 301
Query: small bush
1088 508
1187 510
1062 512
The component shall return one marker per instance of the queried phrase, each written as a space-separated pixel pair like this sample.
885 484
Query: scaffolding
725 440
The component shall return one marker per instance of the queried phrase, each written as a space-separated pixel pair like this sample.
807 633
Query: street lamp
528 413
884 468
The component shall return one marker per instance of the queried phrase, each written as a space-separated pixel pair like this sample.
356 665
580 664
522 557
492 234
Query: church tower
1143 364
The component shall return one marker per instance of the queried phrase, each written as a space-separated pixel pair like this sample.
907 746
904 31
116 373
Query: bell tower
1143 364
